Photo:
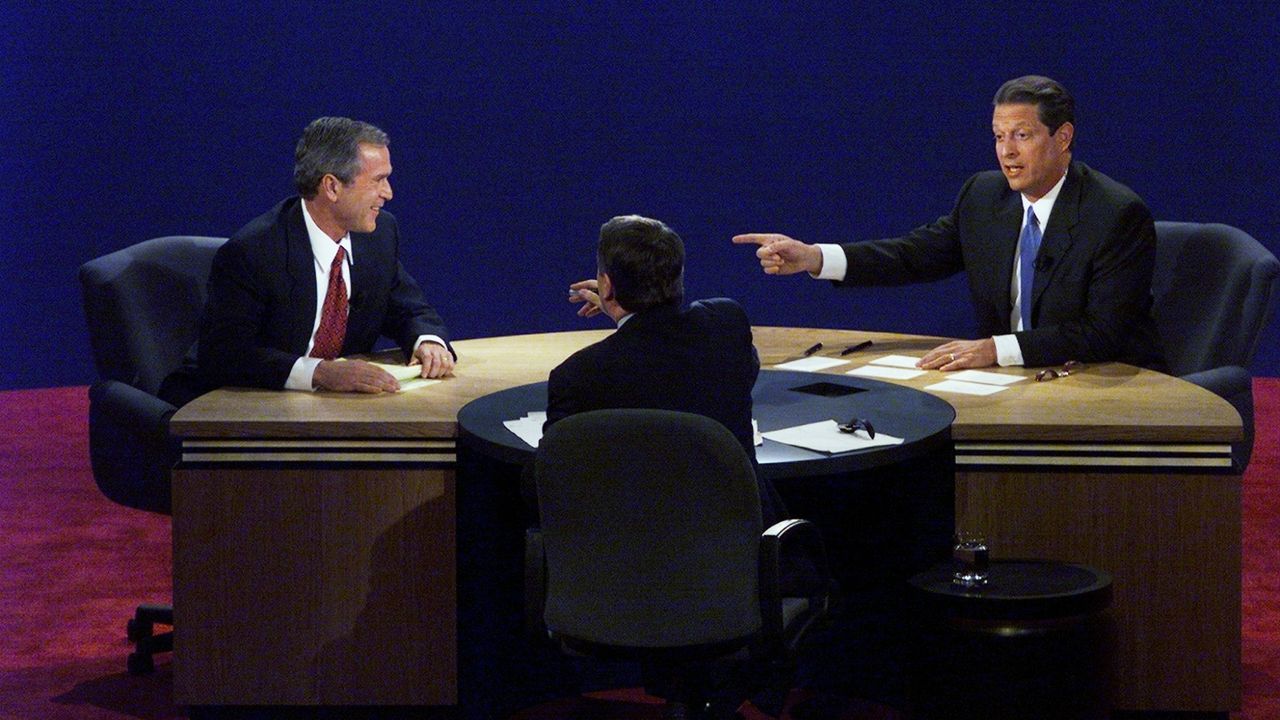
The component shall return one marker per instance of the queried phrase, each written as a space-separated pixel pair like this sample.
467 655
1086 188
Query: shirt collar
322 246
1044 206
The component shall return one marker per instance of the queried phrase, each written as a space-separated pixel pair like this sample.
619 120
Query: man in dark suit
696 359
1059 257
319 277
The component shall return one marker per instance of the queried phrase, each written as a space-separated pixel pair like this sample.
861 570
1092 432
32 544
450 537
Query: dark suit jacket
697 359
1091 303
262 299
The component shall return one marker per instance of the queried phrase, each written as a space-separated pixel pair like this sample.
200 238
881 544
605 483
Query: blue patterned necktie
1029 245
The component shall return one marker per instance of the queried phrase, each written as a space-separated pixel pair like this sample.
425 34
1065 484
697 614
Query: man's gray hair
331 146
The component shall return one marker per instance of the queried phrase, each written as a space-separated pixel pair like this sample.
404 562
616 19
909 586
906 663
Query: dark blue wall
517 128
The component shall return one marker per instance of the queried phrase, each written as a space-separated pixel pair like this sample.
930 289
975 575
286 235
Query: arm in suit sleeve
408 315
930 252
230 352
1094 313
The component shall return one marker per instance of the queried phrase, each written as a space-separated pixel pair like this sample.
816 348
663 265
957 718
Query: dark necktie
333 318
1029 245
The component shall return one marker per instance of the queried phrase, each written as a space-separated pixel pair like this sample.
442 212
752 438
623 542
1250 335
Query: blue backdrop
518 128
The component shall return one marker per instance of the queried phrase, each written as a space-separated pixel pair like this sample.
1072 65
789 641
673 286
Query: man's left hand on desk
435 359
960 354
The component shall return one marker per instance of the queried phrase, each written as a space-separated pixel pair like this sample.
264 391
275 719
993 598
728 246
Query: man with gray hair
318 277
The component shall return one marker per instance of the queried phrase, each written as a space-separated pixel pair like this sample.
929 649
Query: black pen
855 348
815 348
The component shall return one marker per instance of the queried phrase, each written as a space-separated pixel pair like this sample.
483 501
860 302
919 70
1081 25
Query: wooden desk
314 534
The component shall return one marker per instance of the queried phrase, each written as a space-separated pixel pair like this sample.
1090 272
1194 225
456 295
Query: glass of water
971 551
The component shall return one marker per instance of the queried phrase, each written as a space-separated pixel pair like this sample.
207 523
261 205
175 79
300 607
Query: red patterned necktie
333 318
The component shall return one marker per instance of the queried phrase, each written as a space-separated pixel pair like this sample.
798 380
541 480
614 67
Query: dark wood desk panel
1118 467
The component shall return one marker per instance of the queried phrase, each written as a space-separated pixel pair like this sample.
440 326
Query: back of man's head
331 146
645 261
1053 103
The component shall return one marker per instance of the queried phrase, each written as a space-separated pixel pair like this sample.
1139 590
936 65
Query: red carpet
74 565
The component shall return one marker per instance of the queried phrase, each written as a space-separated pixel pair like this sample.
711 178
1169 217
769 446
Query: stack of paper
975 382
892 367
825 436
408 375
528 428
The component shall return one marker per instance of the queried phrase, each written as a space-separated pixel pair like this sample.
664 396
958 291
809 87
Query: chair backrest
1214 289
651 525
143 306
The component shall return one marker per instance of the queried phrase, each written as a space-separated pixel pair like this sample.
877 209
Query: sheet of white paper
756 437
401 372
825 436
885 371
986 378
902 361
416 383
965 388
811 364
528 428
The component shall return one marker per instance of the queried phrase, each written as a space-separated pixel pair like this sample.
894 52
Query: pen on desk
855 348
813 349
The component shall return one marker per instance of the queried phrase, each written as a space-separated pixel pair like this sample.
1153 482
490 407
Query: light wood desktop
314 533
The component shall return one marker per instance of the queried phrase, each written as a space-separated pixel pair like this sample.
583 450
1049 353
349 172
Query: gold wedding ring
952 356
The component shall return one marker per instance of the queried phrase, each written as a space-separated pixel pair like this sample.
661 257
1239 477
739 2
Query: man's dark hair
331 146
645 260
1054 104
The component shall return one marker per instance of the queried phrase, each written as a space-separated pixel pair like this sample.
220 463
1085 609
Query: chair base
141 632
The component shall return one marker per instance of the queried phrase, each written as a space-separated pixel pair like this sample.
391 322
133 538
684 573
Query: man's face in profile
1031 159
360 200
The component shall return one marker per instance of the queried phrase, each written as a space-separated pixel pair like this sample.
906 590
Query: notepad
825 436
965 388
902 361
886 371
986 378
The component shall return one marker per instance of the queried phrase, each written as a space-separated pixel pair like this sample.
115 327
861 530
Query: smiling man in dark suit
1059 257
319 277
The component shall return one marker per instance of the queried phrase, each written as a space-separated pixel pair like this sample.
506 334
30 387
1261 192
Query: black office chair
651 549
143 307
1214 289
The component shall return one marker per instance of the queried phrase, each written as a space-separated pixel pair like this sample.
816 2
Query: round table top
781 399
1015 589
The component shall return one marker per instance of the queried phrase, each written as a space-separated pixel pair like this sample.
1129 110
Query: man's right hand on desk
353 376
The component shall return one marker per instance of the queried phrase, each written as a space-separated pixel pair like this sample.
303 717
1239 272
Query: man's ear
605 287
329 187
1063 135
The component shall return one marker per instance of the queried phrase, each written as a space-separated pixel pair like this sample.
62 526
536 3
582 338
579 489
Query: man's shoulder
719 309
271 223
1097 186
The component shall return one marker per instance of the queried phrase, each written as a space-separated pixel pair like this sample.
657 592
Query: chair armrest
1233 384
535 586
1225 381
127 406
793 563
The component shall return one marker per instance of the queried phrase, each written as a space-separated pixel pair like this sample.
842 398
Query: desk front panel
1113 466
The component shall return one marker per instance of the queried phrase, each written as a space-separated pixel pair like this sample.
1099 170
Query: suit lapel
1058 234
300 265
1006 222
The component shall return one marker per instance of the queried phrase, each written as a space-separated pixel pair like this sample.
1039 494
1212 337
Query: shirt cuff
834 263
432 339
1008 351
300 376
